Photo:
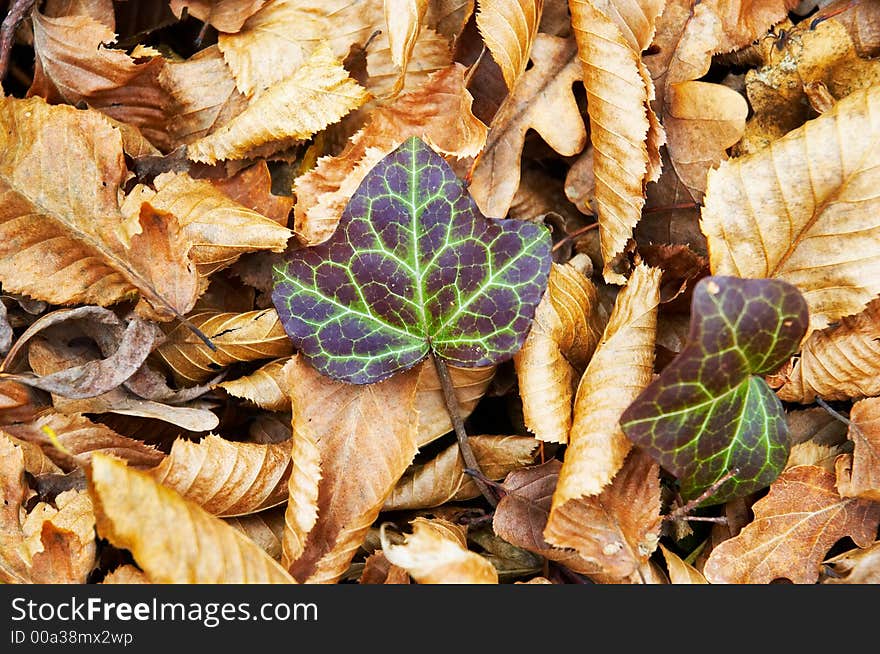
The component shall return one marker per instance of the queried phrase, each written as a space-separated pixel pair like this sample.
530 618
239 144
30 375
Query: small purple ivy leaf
413 268
709 413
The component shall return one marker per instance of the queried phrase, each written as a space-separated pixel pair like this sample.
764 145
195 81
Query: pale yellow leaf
430 53
679 571
61 539
404 20
509 30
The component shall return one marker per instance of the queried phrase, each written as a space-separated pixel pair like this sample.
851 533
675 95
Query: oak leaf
509 30
795 525
858 474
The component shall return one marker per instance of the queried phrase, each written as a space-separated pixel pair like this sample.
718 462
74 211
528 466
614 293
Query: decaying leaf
795 525
858 474
379 570
857 566
265 387
509 30
436 553
171 539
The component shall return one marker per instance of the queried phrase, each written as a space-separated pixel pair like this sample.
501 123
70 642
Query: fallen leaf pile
695 399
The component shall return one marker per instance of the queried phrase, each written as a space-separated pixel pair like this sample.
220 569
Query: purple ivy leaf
412 268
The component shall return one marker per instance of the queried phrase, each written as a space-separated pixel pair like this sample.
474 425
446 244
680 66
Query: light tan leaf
795 525
436 553
837 363
442 479
265 528
365 438
246 336
857 566
265 387
619 528
61 170
171 539
61 539
542 100
810 453
564 334
404 19
623 129
470 386
379 570
318 94
509 30
431 52
679 571
858 474
802 210
73 64
14 555
35 461
623 361
227 478
439 111
225 15
125 574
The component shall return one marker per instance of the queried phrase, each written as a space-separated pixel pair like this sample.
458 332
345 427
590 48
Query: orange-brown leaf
858 474
509 30
265 387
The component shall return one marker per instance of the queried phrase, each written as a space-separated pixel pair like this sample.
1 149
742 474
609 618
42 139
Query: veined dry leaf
61 539
619 528
379 570
264 528
404 19
171 539
858 474
436 553
265 387
857 566
252 188
624 361
810 453
100 10
246 336
509 30
73 65
439 112
60 176
679 571
449 16
795 525
564 334
318 94
836 363
364 438
35 461
802 209
14 559
542 100
442 479
125 574
470 386
227 478
431 52
225 15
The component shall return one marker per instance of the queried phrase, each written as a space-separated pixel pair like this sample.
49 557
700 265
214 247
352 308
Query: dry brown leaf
431 52
436 553
810 453
624 361
379 570
125 574
509 30
449 17
61 539
795 525
35 461
61 171
246 336
171 539
252 188
858 474
470 386
439 111
318 94
679 571
7 335
227 478
265 528
404 19
14 559
857 566
265 387
815 424
364 438
564 334
442 479
225 15
619 528
802 210
73 65
543 100
17 403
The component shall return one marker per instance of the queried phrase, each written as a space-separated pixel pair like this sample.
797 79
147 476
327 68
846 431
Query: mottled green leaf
709 413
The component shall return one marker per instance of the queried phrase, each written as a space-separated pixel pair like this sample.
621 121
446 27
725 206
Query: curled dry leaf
807 219
17 403
543 100
858 474
364 438
6 333
404 19
125 574
436 553
509 30
431 52
379 570
36 462
857 566
171 539
795 525
563 336
246 336
679 571
265 528
624 361
442 479
225 15
265 387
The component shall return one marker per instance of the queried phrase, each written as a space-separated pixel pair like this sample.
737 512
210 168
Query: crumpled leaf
17 403
563 336
264 387
795 525
509 30
379 570
808 220
364 438
436 553
227 478
679 571
439 111
171 539
542 100
125 574
225 15
857 566
404 19
858 474
248 336
442 479
710 414
624 361
451 282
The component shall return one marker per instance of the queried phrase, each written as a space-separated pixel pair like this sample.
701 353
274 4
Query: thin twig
682 511
464 446
575 234
18 10
822 403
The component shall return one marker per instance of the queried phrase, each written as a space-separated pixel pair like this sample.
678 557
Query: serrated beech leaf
709 412
412 268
